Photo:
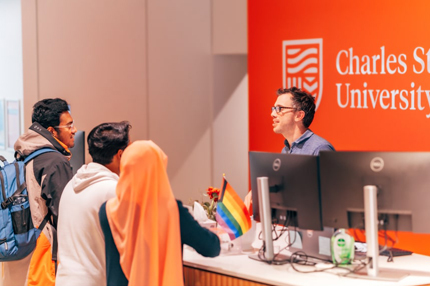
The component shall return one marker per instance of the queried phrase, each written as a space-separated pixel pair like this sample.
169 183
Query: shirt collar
305 136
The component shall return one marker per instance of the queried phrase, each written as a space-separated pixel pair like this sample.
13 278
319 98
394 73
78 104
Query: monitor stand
266 226
265 216
371 227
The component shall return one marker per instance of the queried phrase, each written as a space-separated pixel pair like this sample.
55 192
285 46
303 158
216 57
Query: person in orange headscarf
144 221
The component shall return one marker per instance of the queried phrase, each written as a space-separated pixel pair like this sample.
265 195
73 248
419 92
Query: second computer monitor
403 188
78 151
294 188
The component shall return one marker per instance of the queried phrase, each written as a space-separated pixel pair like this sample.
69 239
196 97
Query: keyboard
395 252
361 248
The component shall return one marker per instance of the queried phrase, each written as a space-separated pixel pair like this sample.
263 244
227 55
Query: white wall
93 54
230 121
10 50
11 71
180 94
229 27
150 62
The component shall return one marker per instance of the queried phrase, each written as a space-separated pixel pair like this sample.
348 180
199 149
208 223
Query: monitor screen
402 180
78 151
293 188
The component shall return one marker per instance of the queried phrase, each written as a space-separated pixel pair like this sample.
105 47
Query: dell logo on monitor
377 164
277 164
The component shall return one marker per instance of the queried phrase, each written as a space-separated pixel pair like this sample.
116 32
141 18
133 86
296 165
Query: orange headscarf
144 218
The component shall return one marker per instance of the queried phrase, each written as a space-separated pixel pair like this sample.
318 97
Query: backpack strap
37 153
4 161
19 188
54 248
2 186
44 221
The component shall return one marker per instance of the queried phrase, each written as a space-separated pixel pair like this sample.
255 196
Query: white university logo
302 65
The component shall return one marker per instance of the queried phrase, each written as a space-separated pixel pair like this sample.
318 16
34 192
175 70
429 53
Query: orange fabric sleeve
42 268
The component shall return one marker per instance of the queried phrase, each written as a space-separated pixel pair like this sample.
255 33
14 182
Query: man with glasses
46 177
292 115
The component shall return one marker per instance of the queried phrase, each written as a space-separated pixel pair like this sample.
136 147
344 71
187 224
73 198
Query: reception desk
240 270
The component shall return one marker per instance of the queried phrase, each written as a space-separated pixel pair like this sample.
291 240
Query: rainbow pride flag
231 213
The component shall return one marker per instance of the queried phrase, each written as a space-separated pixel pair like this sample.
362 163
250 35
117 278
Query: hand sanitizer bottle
342 247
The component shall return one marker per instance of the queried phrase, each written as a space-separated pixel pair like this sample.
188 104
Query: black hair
47 112
302 100
106 139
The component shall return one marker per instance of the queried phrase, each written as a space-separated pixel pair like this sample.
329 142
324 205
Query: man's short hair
47 112
302 100
106 139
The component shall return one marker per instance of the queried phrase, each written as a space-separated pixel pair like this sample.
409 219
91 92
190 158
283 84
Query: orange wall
396 32
388 45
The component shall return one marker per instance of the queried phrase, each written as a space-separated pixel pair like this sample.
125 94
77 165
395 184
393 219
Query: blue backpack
17 233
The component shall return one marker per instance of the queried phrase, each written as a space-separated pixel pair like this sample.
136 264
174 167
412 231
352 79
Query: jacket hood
90 174
35 138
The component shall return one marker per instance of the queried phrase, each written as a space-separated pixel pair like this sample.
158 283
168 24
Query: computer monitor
366 188
293 185
78 151
285 191
402 180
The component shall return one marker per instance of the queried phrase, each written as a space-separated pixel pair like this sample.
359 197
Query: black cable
284 228
357 268
290 243
385 247
261 251
303 260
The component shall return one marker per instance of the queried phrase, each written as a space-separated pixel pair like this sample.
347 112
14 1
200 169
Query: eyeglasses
69 126
278 109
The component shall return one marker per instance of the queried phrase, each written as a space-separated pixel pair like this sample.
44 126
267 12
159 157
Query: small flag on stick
232 214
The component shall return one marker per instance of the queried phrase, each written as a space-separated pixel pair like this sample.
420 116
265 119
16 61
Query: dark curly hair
302 100
47 112
106 139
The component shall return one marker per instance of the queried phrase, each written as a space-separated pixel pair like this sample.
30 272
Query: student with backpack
45 176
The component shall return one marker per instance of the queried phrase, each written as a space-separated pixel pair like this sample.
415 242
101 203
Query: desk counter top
240 266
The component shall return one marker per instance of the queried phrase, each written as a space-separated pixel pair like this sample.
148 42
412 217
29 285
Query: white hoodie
81 246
